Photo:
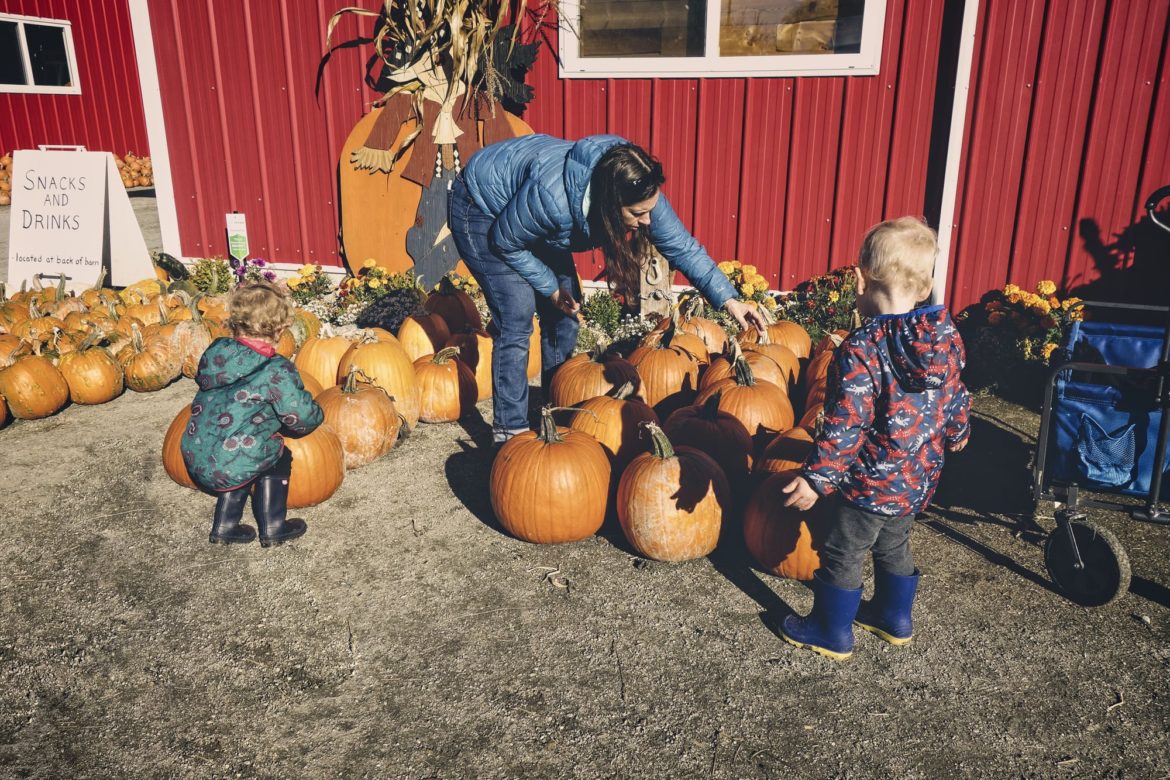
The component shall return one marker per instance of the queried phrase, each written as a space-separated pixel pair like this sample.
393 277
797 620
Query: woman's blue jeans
513 303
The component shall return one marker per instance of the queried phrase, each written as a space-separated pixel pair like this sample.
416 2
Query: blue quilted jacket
535 187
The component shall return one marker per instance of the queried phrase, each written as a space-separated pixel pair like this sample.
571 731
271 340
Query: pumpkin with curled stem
669 373
550 486
387 366
364 418
670 502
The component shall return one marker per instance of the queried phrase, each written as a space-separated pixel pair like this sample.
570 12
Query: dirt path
406 636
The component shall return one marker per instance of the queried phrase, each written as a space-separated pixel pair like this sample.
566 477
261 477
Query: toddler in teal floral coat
247 396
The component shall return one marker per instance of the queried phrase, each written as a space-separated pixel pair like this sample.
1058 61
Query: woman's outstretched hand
564 301
745 315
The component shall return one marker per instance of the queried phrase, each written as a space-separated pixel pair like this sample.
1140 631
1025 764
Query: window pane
46 53
642 28
11 69
771 27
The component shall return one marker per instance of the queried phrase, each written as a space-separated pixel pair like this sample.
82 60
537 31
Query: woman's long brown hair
625 174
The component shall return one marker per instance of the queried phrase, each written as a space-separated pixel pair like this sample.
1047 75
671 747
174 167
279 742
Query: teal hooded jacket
245 401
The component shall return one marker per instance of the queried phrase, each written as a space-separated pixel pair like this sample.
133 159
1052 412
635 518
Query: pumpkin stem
597 354
90 340
743 373
136 337
623 391
710 410
61 289
101 280
164 314
662 448
351 380
445 354
548 427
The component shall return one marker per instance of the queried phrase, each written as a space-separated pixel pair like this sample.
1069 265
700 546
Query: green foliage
603 311
213 275
822 304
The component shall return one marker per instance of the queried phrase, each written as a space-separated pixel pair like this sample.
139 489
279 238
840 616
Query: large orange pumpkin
446 386
387 366
761 406
614 421
674 334
763 367
93 375
364 418
719 434
33 387
590 374
320 357
670 502
670 375
786 452
784 541
552 486
318 467
423 334
172 451
781 355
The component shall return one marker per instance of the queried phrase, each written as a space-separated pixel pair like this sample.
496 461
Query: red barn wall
108 114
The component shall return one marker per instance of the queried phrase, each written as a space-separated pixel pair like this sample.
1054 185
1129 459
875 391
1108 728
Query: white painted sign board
71 215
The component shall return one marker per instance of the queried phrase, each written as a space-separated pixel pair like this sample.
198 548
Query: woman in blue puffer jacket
519 210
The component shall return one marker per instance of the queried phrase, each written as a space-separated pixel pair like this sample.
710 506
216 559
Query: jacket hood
917 345
227 362
579 165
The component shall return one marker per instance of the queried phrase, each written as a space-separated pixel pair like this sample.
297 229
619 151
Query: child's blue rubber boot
828 629
887 614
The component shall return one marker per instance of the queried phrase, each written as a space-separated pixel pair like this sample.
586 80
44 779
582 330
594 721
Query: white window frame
867 62
70 56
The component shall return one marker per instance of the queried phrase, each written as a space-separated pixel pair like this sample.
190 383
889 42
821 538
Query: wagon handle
1152 202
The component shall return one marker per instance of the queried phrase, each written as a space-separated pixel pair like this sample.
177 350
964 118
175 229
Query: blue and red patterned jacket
894 401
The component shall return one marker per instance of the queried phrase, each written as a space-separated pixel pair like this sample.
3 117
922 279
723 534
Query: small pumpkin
784 541
172 449
423 334
781 355
550 486
719 434
446 386
149 365
786 452
763 367
456 307
589 375
614 420
670 502
783 332
320 357
92 373
364 418
33 387
680 338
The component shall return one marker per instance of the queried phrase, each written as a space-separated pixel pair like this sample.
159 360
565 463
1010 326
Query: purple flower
259 262
270 276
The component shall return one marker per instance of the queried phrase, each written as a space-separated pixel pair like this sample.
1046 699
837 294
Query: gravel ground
407 636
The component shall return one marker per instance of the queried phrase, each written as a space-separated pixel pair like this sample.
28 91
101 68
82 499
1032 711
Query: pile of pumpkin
6 180
135 171
671 439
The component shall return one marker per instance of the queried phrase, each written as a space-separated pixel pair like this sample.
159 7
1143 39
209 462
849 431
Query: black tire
1106 572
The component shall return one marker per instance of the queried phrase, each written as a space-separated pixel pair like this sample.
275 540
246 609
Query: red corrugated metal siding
108 114
245 129
1067 133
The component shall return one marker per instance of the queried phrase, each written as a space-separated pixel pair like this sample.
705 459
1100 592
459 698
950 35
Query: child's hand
958 446
800 494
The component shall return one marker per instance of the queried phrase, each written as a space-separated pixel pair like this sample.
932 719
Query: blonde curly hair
260 310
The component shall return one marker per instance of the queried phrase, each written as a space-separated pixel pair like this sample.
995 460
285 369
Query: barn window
693 38
36 55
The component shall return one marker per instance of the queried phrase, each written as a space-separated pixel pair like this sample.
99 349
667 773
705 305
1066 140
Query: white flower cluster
328 309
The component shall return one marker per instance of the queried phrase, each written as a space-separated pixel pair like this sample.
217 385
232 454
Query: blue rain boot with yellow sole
828 629
887 614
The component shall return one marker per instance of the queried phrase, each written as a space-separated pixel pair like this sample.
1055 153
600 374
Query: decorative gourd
320 357
193 336
670 374
761 406
589 375
717 433
149 365
318 467
670 502
614 421
387 366
456 307
92 373
33 387
784 541
475 349
763 367
446 386
552 486
172 449
786 452
423 334
364 418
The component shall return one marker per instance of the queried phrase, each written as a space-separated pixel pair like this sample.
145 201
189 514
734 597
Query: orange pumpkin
670 502
829 342
761 406
92 373
364 418
715 432
784 541
318 467
781 355
552 486
589 375
446 387
818 367
678 337
763 367
475 349
33 388
456 307
3 411
786 452
320 357
387 366
172 452
670 375
149 365
614 421
423 334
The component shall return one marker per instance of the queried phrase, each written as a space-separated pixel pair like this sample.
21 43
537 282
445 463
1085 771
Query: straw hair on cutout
259 309
900 254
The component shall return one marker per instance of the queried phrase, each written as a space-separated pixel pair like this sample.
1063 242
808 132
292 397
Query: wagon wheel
1105 573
